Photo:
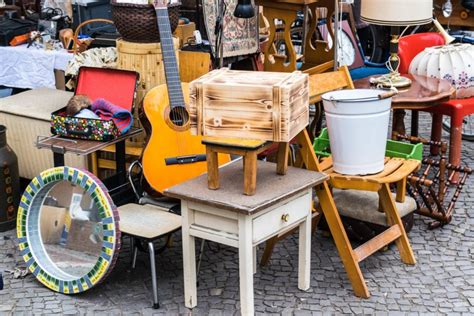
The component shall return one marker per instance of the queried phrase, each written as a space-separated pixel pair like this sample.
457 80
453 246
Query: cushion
36 104
364 205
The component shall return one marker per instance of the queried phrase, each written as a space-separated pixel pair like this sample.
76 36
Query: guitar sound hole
179 116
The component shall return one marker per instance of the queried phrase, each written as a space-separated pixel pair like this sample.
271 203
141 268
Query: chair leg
133 252
341 240
402 243
455 143
267 252
201 251
154 282
436 128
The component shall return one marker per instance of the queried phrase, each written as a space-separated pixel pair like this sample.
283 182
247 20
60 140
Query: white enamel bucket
357 122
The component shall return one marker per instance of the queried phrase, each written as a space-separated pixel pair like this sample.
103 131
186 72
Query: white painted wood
200 221
271 222
304 250
246 265
254 259
212 210
213 235
216 222
189 259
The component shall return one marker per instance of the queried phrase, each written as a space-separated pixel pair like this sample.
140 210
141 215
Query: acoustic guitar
172 155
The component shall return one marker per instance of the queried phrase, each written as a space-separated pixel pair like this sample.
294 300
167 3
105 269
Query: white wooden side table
229 217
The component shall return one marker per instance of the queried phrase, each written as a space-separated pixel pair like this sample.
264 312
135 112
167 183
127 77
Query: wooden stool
248 149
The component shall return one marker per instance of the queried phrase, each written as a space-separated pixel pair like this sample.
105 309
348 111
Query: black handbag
9 28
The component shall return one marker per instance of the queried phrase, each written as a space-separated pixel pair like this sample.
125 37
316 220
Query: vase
454 63
9 183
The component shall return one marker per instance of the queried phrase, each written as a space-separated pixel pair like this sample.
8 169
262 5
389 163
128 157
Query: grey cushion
364 205
37 103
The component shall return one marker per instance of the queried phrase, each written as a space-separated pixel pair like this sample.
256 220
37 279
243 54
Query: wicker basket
137 22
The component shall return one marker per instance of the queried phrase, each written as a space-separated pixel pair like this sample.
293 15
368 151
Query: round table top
423 91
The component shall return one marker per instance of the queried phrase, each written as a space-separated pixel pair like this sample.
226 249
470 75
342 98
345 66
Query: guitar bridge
181 160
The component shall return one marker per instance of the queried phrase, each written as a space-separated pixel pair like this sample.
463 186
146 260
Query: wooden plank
401 190
329 81
272 188
129 150
193 65
212 169
214 235
240 143
356 183
408 167
376 243
342 241
403 245
282 158
250 173
390 167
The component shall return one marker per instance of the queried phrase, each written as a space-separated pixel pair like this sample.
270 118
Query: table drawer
281 217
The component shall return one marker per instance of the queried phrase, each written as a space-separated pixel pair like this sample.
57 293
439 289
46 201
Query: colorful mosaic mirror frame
28 231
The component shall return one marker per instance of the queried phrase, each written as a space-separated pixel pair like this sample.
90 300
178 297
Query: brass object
285 218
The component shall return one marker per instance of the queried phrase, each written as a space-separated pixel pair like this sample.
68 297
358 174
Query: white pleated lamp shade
397 12
454 63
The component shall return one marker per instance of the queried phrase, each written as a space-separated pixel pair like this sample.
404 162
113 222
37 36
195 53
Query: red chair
408 47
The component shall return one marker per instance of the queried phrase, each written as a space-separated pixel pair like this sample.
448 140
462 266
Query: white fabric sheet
22 67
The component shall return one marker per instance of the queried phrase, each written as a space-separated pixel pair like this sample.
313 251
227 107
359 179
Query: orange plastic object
19 39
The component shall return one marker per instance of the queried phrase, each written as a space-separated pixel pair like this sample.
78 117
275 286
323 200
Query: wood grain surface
423 92
271 187
252 105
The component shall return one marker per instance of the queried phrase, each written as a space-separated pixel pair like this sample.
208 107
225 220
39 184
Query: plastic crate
394 148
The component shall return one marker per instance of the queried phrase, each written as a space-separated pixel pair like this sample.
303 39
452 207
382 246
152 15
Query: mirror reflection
71 229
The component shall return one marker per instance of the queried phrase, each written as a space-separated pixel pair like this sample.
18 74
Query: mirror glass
70 229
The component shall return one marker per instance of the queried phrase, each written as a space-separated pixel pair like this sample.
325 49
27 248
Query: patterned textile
123 119
240 35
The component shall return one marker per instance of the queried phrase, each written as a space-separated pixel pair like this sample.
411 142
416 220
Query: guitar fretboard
173 81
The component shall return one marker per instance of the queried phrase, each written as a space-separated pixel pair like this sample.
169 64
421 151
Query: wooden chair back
320 83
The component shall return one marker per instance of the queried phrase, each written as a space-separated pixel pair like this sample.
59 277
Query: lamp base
392 79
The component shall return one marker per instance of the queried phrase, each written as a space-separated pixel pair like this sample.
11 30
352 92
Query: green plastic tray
394 148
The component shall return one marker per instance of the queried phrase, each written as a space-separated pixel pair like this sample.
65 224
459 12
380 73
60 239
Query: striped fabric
123 119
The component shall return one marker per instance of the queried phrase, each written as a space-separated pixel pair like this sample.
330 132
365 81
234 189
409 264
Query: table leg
398 124
120 162
304 253
58 159
246 265
189 259
414 122
254 259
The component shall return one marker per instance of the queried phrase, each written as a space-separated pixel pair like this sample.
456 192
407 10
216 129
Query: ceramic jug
9 183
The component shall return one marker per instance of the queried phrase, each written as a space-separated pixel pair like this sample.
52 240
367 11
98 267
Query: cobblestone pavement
441 282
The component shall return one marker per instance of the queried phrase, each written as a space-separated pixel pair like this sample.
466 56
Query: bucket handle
385 95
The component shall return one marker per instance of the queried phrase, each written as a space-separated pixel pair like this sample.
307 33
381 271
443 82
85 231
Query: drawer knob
285 217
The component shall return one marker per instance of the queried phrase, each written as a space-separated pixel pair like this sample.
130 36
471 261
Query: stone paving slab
441 282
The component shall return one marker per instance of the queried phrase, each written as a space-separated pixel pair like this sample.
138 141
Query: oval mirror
68 229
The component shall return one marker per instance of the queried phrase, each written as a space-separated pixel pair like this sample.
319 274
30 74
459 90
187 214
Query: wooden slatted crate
269 106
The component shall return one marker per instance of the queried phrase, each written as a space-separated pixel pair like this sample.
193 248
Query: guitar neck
173 81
